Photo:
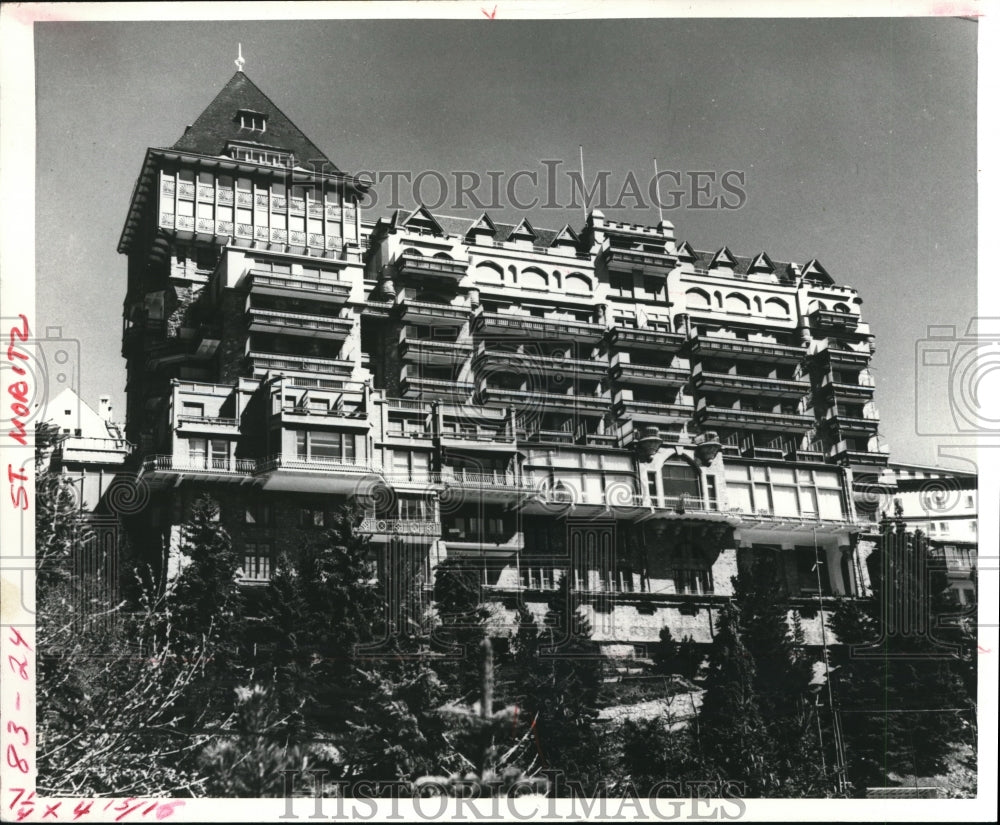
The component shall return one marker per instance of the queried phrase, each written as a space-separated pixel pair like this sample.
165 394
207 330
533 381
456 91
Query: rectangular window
220 455
197 452
312 517
258 513
257 562
693 581
810 561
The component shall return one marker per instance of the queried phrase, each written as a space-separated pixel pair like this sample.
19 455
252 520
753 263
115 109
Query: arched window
841 307
578 284
532 278
737 303
776 307
697 299
489 272
681 479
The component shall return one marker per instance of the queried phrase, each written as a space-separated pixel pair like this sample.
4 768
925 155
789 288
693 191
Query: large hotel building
602 402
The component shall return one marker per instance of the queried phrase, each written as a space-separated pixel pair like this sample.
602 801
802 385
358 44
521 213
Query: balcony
840 357
437 388
843 455
654 412
480 440
626 260
316 475
207 424
709 347
627 373
383 529
286 286
176 468
755 420
529 326
486 481
281 362
417 266
829 320
545 401
431 314
520 363
424 351
294 323
749 385
89 450
847 392
655 339
852 425
179 349
297 415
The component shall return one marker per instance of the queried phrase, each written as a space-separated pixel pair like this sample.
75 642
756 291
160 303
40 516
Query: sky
856 138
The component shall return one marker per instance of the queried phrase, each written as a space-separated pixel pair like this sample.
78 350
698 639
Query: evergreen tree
735 743
900 689
561 690
462 614
320 608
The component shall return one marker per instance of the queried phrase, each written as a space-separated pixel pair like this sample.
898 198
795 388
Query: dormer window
251 120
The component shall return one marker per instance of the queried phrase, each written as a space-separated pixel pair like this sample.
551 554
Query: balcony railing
627 373
279 362
478 437
531 399
213 466
415 266
437 387
373 525
658 411
294 323
830 319
841 357
431 351
756 419
543 364
852 423
322 413
543 328
316 463
427 312
737 348
634 259
750 385
208 421
269 283
487 481
662 340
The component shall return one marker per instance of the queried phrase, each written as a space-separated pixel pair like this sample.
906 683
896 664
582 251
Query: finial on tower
239 61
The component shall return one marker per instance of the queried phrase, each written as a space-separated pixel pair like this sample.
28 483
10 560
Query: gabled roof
421 215
723 258
566 237
483 224
219 124
524 230
686 253
761 263
814 271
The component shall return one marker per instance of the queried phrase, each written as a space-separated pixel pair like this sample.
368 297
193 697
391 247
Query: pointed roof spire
219 123
239 61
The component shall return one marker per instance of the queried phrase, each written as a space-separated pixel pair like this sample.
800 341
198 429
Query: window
680 479
208 454
693 581
807 561
257 562
944 527
969 503
192 410
258 513
651 485
311 517
254 121
329 447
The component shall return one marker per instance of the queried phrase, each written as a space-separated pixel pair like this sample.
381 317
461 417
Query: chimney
104 407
